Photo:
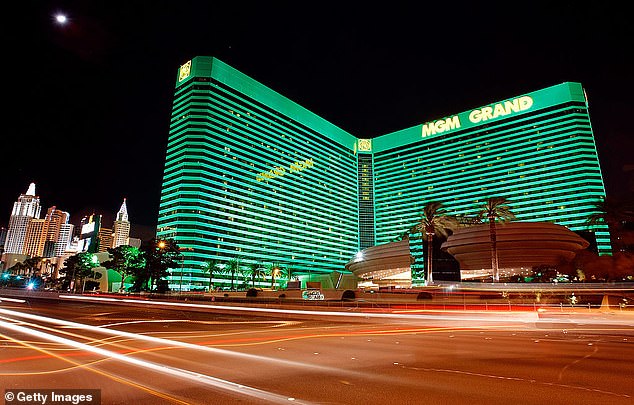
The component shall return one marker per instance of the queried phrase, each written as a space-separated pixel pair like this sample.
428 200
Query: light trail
77 365
527 317
275 323
381 332
523 316
370 377
168 342
12 300
195 377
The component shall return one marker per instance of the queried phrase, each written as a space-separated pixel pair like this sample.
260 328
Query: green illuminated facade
251 175
537 150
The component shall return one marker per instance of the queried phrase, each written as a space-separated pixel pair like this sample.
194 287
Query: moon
61 18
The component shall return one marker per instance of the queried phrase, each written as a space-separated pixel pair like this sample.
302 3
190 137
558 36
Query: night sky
89 102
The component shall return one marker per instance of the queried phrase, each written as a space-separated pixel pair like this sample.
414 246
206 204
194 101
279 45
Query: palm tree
495 208
611 212
402 236
433 221
233 267
256 271
274 269
210 267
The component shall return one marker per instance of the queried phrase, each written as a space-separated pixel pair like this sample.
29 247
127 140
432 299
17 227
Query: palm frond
434 220
496 208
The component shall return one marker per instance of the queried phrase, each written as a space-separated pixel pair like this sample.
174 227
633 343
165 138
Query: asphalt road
168 356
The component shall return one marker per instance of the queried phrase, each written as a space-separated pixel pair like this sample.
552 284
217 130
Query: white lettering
512 106
501 109
35 397
440 126
525 103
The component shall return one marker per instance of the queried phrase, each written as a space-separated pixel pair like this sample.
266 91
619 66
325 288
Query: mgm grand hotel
251 175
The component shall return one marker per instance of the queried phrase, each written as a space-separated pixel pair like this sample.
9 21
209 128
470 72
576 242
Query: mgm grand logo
479 115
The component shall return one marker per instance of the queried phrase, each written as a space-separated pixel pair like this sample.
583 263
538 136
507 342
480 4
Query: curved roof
382 261
519 244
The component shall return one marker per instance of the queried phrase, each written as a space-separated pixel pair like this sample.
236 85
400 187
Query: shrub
348 295
423 296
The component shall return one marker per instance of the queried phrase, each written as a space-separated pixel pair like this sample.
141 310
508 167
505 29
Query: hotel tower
249 174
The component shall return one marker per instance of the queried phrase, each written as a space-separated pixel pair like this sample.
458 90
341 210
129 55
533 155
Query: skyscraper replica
121 227
24 210
48 237
251 175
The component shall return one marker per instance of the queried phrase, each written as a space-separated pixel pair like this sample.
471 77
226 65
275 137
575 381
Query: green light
230 189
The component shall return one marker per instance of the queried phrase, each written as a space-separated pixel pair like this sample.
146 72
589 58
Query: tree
32 264
125 260
211 267
256 271
17 268
160 255
587 266
274 269
495 208
611 212
402 236
79 266
434 220
232 268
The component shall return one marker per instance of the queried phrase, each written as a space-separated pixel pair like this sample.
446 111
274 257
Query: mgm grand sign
479 115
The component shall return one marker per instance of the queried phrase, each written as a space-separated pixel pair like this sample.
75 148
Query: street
157 355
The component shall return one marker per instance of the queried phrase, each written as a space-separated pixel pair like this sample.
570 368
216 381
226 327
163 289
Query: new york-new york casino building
250 174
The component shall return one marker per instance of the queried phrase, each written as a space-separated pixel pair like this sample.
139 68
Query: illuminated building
24 210
521 246
3 237
64 239
48 237
58 232
121 227
106 239
89 234
35 238
250 174
537 150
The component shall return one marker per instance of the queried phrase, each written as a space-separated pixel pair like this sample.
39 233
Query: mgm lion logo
184 71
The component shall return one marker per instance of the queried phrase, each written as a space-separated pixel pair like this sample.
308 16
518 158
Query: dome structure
520 247
384 265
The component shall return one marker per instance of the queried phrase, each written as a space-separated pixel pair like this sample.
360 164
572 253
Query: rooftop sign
509 108
479 115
